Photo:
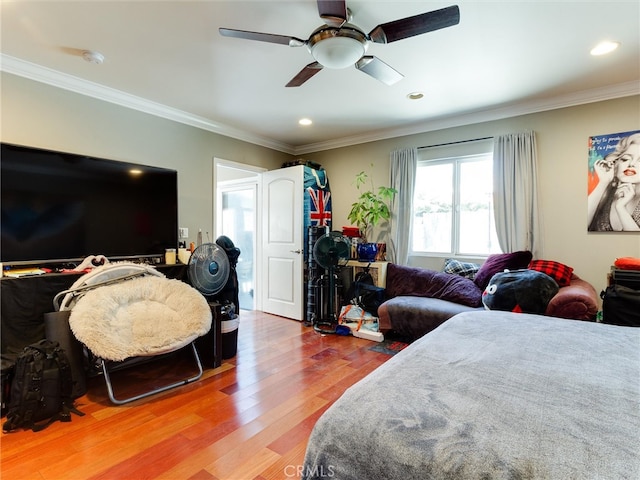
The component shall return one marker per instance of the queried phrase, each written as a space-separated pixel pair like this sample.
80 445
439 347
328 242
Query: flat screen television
60 208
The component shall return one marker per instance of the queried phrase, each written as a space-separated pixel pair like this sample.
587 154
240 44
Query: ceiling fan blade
379 70
305 74
416 25
333 12
262 37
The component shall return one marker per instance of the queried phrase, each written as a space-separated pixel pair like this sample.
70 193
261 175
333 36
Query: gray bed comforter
491 395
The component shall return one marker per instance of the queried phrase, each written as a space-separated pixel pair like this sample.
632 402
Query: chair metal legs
117 401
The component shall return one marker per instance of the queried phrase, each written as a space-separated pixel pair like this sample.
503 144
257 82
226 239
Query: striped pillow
560 272
464 269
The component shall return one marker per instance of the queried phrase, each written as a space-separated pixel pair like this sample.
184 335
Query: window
453 206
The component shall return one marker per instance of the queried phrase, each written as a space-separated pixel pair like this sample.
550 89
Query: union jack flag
320 212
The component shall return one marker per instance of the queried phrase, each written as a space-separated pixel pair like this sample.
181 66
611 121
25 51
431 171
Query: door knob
296 251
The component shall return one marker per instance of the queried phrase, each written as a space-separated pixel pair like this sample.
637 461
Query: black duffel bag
621 306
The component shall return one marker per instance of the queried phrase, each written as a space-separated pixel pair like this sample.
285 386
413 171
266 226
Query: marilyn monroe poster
613 204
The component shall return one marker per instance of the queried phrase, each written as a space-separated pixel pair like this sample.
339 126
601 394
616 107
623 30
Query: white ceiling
167 58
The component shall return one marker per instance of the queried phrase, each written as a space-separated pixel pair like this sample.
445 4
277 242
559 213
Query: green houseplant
371 206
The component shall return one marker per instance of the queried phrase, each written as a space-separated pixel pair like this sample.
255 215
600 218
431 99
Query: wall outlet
183 232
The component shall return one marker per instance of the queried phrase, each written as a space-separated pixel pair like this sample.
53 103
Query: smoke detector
93 56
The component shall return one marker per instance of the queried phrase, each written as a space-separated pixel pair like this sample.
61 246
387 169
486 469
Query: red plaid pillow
560 272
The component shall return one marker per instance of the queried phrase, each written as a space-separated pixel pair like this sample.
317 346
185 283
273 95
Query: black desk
25 300
23 303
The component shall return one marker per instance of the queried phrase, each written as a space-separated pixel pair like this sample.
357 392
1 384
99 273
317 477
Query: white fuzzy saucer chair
123 311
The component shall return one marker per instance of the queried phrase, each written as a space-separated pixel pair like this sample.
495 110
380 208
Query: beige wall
562 152
42 116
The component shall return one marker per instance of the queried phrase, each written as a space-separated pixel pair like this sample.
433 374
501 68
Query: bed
491 395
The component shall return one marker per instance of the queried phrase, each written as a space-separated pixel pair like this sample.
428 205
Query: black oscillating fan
209 269
330 251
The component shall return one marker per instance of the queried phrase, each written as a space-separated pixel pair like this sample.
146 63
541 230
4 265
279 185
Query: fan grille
209 269
332 249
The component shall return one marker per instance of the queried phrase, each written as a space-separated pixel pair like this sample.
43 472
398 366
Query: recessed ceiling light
135 171
305 121
415 95
604 47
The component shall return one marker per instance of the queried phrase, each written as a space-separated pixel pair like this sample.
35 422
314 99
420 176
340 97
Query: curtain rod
456 143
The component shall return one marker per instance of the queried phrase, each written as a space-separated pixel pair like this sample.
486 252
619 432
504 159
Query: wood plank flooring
248 419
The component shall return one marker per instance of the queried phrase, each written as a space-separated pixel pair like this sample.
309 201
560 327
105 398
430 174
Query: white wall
562 137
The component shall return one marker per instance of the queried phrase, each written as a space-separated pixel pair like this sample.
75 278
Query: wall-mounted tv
60 207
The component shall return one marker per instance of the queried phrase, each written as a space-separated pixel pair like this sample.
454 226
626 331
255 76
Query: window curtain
515 192
403 165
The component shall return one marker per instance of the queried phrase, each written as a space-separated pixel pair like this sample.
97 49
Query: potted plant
368 210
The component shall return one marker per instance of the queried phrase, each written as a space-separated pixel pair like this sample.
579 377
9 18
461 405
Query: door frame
241 175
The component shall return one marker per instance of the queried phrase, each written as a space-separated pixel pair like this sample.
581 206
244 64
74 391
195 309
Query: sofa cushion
560 272
499 263
464 269
421 282
413 317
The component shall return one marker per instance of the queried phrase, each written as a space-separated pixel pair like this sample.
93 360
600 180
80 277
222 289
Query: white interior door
282 252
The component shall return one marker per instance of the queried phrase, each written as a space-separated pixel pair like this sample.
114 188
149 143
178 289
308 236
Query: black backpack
41 388
7 365
365 294
621 306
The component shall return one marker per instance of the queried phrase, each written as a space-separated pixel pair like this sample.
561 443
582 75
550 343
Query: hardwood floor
248 419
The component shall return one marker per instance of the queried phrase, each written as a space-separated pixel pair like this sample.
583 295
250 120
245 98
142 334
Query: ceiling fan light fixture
339 51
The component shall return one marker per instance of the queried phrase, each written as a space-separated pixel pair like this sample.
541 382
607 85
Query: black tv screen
61 207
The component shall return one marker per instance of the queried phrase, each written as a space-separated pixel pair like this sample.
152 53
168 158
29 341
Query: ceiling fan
340 44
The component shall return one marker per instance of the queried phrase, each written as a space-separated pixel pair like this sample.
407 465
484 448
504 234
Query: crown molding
55 78
48 76
533 106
